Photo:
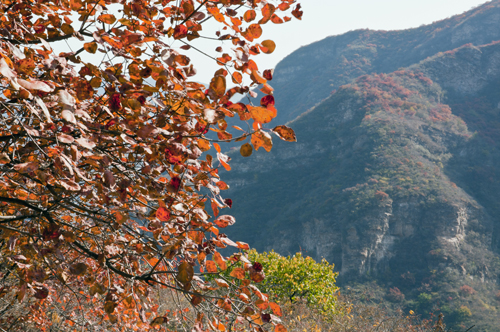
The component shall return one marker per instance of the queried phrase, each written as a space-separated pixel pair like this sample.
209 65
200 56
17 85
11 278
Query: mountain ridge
343 52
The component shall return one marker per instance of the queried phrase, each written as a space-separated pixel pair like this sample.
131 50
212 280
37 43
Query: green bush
297 277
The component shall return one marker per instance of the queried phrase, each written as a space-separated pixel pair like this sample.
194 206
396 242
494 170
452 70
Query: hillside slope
395 176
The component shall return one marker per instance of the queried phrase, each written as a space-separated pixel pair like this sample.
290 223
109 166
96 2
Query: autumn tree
107 198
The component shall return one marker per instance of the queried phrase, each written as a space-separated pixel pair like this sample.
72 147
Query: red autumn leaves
109 168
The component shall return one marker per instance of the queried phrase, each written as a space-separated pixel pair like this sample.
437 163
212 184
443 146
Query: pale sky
322 18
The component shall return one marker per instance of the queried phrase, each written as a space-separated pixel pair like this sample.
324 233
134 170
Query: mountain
311 73
395 177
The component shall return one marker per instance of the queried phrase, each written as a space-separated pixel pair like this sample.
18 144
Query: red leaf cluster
105 192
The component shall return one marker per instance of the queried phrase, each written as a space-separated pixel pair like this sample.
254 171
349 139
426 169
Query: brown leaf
285 133
107 18
262 139
186 273
147 130
90 47
26 167
109 179
224 221
70 185
78 269
246 150
44 108
217 87
66 98
195 300
268 46
159 321
297 12
41 292
5 70
109 307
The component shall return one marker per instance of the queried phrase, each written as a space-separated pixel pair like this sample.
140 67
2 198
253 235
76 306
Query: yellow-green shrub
298 277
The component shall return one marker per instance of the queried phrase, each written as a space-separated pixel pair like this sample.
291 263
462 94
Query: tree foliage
104 187
297 277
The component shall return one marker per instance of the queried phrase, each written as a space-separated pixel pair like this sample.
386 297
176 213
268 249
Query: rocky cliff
395 175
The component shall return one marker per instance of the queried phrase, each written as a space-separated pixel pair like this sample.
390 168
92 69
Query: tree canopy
110 194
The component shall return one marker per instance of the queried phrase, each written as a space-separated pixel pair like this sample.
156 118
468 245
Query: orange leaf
257 319
163 214
237 78
249 15
276 309
204 145
112 42
222 185
255 30
279 328
211 267
223 160
221 283
262 305
67 29
107 18
267 11
276 19
260 114
180 31
242 245
238 273
224 221
220 261
257 77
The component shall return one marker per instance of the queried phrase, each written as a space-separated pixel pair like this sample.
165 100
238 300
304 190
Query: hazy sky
323 18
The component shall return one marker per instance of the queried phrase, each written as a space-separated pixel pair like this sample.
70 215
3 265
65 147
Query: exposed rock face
394 176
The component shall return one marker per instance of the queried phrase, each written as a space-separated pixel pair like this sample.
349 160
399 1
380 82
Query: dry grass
299 317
